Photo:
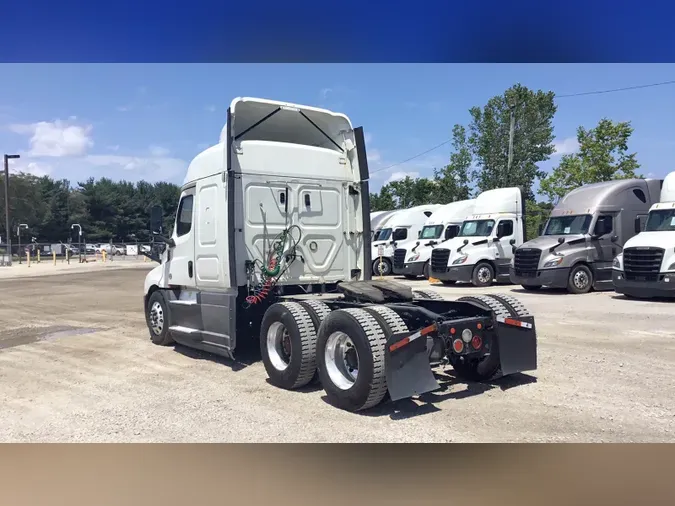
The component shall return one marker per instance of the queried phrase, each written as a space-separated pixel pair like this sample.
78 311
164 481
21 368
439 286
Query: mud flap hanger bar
513 322
260 121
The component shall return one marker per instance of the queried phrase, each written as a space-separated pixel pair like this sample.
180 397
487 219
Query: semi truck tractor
483 248
584 233
271 243
646 267
411 259
378 223
404 225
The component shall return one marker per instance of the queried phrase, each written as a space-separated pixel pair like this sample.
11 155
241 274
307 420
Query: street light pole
79 238
7 230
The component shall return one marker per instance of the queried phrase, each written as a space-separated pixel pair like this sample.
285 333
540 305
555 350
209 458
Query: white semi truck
271 243
584 233
482 250
646 267
404 225
378 220
411 259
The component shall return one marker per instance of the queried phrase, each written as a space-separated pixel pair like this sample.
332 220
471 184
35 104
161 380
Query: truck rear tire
489 367
317 311
157 318
580 280
427 294
350 358
483 274
288 345
516 307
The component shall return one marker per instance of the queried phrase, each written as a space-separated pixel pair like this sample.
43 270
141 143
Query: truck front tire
350 358
483 274
580 280
157 318
383 269
288 345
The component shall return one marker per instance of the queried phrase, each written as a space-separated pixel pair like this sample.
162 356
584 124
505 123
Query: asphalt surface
76 364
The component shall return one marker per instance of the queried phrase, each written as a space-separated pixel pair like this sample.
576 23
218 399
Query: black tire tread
308 338
517 308
428 294
393 320
377 340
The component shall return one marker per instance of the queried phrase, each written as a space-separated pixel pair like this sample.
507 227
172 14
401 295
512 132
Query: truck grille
526 262
642 264
399 257
439 259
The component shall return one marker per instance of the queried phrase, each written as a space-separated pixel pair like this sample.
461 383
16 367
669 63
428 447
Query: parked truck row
615 235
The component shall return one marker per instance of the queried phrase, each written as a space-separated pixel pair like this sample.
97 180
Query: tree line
106 210
480 158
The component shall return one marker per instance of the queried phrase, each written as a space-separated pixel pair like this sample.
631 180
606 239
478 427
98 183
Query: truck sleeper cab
581 238
482 251
271 243
646 267
411 259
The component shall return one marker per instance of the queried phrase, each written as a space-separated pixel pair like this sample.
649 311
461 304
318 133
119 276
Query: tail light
476 342
458 346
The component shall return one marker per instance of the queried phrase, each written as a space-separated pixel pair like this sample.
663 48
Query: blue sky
146 121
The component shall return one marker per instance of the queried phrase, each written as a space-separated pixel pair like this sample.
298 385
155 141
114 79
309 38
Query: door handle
190 268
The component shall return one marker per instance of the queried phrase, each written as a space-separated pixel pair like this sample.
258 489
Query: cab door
502 244
604 249
181 257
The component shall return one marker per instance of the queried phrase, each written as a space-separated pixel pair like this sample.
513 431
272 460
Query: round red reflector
452 330
458 345
476 342
479 326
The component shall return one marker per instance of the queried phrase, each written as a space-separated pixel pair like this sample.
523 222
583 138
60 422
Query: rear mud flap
408 368
517 345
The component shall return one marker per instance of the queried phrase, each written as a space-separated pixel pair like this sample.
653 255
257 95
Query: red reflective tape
400 344
428 330
515 323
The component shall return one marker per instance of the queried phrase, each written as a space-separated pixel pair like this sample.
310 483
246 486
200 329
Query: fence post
38 255
28 257
54 256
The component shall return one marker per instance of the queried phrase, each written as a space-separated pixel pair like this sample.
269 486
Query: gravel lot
76 364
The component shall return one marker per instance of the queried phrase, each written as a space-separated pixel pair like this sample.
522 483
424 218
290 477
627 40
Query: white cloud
124 108
158 151
368 138
56 138
210 108
398 175
35 168
565 146
160 168
116 147
373 156
324 92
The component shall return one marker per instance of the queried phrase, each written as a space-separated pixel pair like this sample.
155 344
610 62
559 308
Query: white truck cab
482 250
403 226
411 259
646 266
377 223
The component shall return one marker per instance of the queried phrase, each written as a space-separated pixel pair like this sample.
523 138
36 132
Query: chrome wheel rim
342 360
580 280
157 318
279 346
484 275
382 268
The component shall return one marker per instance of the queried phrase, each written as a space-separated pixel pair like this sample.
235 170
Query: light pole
18 233
79 238
7 231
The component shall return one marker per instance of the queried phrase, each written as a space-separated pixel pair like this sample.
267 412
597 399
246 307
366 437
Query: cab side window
604 225
451 232
184 217
505 228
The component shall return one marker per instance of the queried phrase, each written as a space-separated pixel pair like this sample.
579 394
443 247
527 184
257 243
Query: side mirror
638 228
512 242
614 238
466 241
561 240
156 219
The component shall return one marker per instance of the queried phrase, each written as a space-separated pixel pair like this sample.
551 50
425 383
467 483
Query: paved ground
76 364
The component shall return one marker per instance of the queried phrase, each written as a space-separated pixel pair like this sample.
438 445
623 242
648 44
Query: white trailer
271 243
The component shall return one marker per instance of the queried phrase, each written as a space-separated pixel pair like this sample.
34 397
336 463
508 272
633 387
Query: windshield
384 234
661 221
477 228
568 225
431 232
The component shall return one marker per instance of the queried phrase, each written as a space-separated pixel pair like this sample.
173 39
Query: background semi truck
404 225
482 251
411 259
583 235
646 267
377 221
271 243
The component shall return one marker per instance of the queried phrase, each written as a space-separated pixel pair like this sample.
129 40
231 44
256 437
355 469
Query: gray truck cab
583 235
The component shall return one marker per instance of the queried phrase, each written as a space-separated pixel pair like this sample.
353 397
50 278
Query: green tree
452 181
532 140
603 156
